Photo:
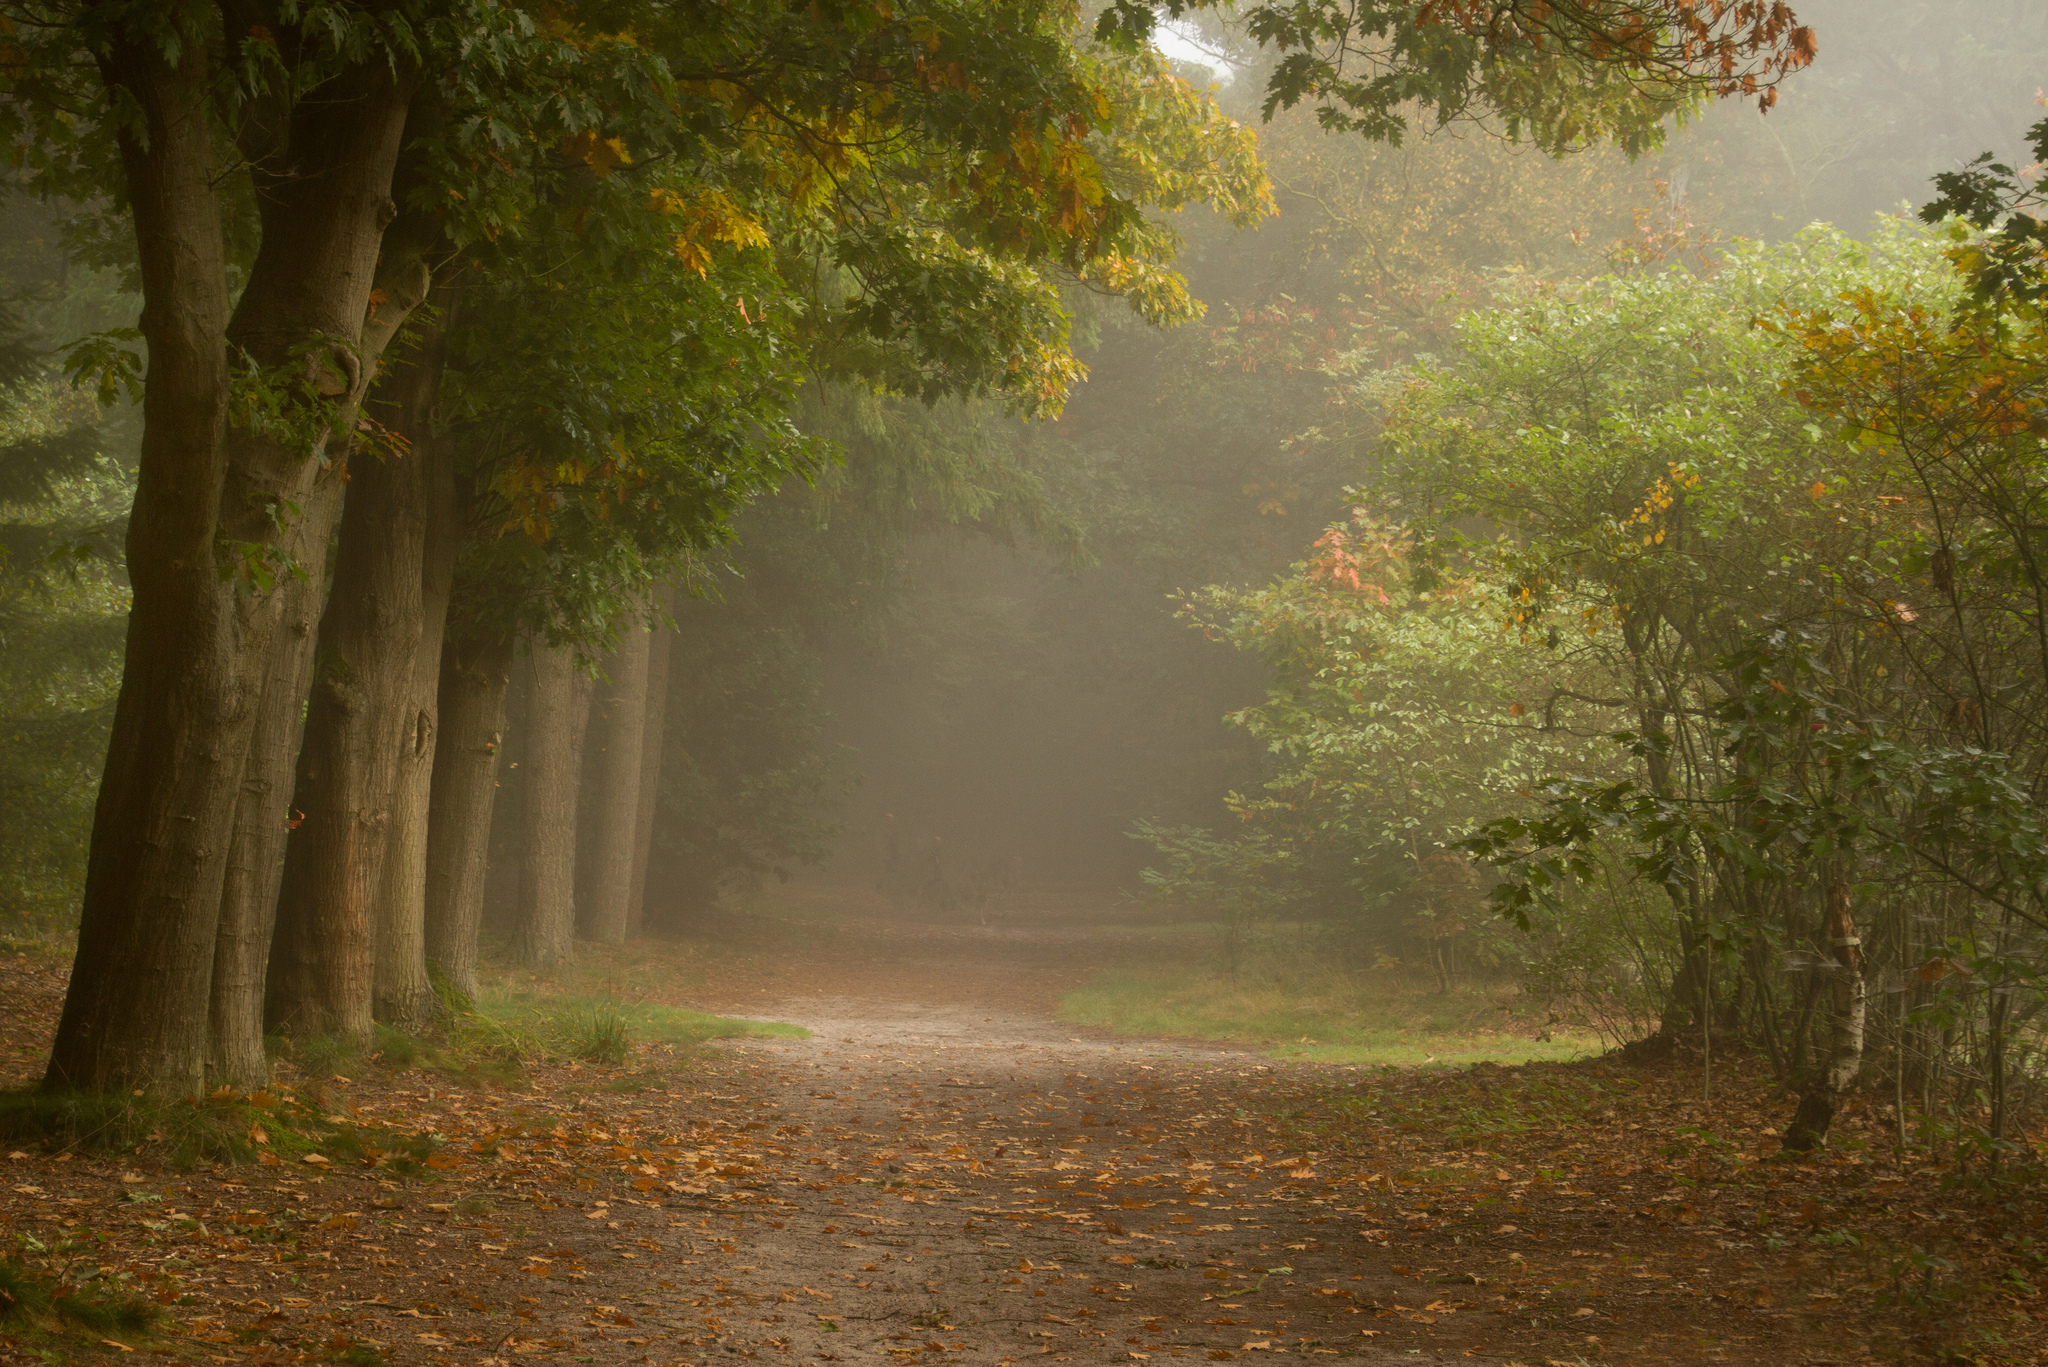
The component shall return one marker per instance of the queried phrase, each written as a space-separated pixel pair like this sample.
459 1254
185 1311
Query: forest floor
941 1172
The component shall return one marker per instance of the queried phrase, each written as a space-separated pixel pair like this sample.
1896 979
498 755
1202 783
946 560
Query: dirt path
942 1173
999 1188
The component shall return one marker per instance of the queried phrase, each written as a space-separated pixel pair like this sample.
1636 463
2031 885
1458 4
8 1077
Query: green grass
603 1028
267 1127
37 1303
186 1133
1295 1009
491 1041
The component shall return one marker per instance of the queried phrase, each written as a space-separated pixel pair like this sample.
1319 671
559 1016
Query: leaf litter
924 1182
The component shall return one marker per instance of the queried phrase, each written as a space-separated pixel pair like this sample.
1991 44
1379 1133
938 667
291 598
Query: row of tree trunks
212 905
216 511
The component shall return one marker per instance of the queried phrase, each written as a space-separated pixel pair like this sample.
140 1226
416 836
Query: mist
912 681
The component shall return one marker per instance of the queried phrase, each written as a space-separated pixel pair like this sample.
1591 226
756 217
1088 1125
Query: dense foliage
1703 604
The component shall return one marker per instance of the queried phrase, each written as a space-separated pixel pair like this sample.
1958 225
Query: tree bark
248 906
262 821
209 538
1823 1094
660 641
557 711
474 677
325 969
609 811
248 902
402 992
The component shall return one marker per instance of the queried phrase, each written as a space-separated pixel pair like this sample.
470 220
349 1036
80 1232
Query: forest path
961 1178
943 1173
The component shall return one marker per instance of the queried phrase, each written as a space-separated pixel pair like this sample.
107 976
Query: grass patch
36 1303
1297 1009
267 1127
603 1029
187 1133
489 1041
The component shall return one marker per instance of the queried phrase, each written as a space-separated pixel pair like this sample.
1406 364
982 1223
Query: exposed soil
942 1173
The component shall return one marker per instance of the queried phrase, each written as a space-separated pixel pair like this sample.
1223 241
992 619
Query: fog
1016 685
923 681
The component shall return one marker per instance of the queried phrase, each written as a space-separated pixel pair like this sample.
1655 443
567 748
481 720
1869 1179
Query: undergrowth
35 1302
266 1127
187 1133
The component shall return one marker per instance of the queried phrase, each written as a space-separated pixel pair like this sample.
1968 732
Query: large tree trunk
659 642
609 812
262 821
248 901
1823 1094
474 676
558 708
326 976
214 513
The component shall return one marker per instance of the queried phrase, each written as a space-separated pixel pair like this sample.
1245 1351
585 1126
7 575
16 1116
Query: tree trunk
327 976
248 901
208 541
609 813
474 676
1818 1103
557 711
262 819
402 993
660 640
